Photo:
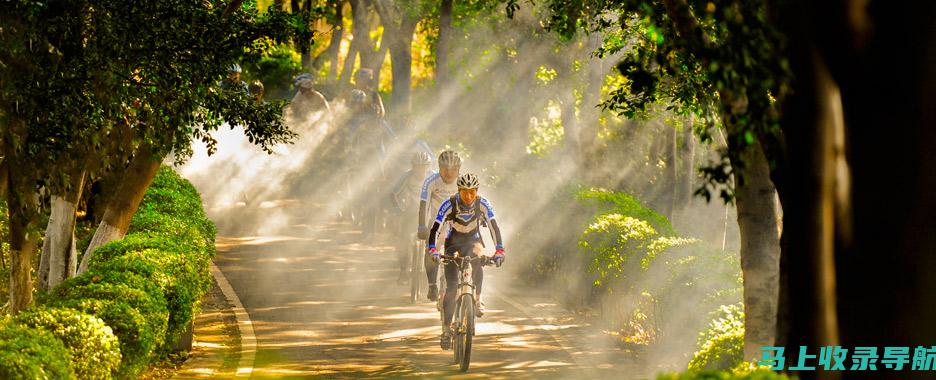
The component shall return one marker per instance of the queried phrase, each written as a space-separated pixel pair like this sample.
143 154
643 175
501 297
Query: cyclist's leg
432 270
451 286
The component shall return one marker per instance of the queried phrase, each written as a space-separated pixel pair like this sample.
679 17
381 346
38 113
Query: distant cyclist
233 81
465 212
405 198
436 189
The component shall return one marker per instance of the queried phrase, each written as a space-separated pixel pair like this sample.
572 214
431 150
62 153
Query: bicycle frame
463 325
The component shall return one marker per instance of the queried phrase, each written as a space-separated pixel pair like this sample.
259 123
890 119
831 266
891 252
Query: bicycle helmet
234 68
255 88
468 181
358 97
301 77
449 159
421 158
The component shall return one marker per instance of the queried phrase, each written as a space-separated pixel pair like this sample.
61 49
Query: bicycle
463 322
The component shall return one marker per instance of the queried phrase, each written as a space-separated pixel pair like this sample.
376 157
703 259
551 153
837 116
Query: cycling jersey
406 190
465 221
434 192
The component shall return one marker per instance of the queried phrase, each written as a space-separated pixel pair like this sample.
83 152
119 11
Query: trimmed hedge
27 353
146 286
91 344
760 374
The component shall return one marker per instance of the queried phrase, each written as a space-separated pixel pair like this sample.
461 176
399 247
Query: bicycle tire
456 333
467 331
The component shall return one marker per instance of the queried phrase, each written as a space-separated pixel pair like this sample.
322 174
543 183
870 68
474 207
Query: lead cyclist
465 211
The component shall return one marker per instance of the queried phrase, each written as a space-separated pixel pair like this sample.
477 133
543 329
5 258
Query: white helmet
449 159
468 181
421 158
234 68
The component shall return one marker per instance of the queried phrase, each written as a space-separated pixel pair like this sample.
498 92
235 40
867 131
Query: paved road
324 305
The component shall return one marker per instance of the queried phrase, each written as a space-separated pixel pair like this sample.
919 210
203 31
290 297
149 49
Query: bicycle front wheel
466 334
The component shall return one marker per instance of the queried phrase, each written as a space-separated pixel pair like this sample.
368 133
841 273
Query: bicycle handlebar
487 260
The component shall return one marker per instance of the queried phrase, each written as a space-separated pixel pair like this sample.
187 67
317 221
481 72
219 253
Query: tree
399 19
715 63
111 78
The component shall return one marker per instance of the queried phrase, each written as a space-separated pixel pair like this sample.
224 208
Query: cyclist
436 189
233 81
465 212
404 197
256 91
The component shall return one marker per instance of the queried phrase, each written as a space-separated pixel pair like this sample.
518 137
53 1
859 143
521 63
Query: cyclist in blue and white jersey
465 212
436 189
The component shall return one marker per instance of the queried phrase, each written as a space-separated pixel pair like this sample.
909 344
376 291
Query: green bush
760 374
127 287
136 339
721 345
27 353
182 279
172 207
93 349
146 286
617 202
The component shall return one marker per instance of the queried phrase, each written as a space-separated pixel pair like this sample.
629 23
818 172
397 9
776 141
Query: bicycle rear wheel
464 339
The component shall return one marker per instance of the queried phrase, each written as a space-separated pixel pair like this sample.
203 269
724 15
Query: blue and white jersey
434 192
465 220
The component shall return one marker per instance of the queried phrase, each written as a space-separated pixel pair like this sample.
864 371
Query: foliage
27 353
618 202
546 133
721 61
721 345
721 375
180 277
136 339
276 69
147 285
613 240
91 344
107 73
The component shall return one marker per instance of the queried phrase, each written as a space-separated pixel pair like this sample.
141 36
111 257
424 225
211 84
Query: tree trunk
884 274
22 249
442 47
378 60
59 256
23 208
401 66
806 180
361 44
334 46
124 202
304 46
755 198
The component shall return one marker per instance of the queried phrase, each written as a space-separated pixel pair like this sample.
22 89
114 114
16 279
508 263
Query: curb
248 350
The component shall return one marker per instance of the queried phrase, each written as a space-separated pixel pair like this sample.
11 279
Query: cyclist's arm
488 210
424 199
443 215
